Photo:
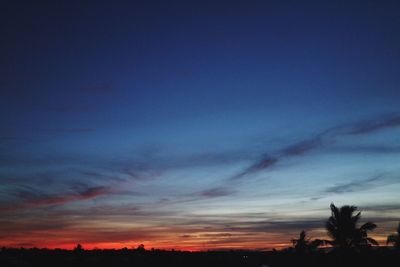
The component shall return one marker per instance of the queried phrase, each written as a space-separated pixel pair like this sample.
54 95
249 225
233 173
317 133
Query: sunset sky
196 124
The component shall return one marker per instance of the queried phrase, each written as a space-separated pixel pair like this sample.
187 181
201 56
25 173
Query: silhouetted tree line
342 228
349 245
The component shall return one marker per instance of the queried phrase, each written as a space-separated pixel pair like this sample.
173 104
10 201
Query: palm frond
369 226
393 239
372 241
316 243
342 228
335 211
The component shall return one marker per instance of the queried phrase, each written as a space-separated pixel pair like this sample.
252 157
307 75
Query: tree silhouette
141 248
395 238
342 228
303 244
78 248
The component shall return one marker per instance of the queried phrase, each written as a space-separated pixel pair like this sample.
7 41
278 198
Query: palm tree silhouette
342 228
304 244
395 238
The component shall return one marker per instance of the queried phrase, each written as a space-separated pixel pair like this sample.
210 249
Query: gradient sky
196 124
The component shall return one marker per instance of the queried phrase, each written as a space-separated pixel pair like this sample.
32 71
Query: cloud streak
367 149
374 125
302 147
217 192
363 184
32 198
322 139
353 186
264 163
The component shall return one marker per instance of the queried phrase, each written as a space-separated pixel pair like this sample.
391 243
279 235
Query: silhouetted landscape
349 246
126 257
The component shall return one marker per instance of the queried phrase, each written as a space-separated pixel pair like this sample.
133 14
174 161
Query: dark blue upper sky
190 106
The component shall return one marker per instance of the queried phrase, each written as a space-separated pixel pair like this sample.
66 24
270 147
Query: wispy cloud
324 138
370 149
373 125
217 192
353 186
293 150
302 147
277 226
363 184
264 163
254 225
150 166
209 193
101 176
30 197
394 207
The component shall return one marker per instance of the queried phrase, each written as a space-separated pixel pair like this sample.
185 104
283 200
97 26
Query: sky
196 125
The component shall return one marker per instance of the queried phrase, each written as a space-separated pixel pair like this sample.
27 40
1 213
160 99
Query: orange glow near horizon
192 245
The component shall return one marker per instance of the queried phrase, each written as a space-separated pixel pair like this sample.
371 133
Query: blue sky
196 125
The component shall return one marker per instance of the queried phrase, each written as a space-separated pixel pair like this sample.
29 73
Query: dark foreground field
121 258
